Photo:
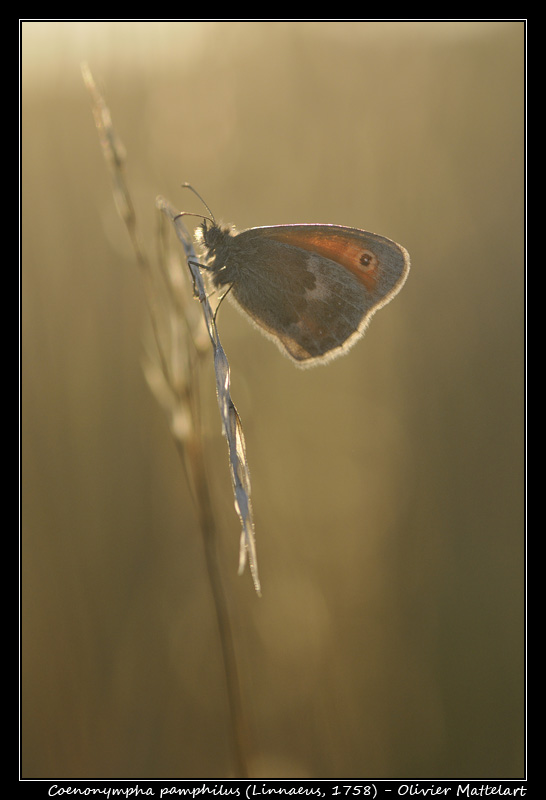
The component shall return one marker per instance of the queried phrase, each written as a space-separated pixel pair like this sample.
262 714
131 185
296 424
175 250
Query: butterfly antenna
196 193
194 214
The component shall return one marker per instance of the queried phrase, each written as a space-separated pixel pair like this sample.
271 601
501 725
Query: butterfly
311 288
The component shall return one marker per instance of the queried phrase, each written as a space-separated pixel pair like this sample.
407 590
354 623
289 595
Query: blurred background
388 486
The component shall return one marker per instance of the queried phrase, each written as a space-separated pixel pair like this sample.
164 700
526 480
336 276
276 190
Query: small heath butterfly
311 288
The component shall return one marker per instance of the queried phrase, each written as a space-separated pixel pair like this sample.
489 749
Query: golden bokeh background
388 487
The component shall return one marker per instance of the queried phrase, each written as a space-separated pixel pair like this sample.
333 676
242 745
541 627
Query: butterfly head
212 236
218 243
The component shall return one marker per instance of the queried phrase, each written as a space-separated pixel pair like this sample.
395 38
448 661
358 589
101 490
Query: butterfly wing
314 288
380 264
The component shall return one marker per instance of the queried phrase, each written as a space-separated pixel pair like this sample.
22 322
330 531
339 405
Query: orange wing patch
348 250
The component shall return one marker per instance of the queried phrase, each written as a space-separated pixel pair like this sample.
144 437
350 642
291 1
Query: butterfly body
311 288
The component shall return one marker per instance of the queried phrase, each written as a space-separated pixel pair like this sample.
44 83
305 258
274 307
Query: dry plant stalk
178 347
